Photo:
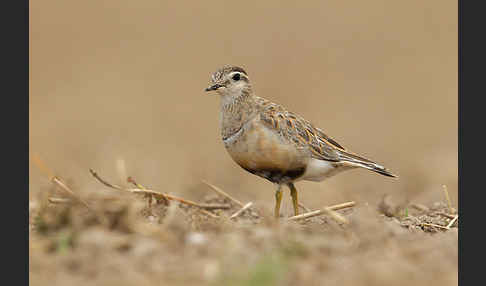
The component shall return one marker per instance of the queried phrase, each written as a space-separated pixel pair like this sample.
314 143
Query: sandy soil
122 81
123 241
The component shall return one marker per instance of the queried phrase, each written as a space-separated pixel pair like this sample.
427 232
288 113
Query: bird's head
230 81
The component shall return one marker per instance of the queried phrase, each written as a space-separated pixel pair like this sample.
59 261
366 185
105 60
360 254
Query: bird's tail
357 161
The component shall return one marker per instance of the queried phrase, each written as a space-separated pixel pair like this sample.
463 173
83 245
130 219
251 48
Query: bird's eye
236 77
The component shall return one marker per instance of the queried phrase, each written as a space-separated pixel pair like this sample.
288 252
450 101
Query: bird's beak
213 87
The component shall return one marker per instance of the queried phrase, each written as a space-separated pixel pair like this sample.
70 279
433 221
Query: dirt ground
117 86
121 240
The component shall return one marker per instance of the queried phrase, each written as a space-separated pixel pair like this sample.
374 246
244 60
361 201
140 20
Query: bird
267 140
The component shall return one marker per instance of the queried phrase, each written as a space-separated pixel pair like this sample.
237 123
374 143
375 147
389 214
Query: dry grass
138 243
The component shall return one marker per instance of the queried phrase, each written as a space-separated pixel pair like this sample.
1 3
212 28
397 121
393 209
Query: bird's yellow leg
278 199
295 199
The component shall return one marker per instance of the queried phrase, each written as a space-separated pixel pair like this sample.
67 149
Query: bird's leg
278 199
295 199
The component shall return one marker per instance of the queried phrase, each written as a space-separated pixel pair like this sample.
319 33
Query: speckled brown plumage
267 140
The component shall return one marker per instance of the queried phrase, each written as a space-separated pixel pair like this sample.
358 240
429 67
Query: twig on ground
336 216
65 188
159 194
446 193
181 200
56 180
434 225
131 180
240 211
452 221
53 200
150 196
223 193
42 167
208 213
94 174
324 211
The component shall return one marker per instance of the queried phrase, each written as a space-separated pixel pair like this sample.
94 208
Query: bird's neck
236 111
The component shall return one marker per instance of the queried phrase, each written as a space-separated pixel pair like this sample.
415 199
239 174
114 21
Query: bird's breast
263 152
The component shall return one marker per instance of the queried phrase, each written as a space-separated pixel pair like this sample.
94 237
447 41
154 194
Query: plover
267 140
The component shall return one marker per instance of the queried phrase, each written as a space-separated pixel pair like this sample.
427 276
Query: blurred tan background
124 80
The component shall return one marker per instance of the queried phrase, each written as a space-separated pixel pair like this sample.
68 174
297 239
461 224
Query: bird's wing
301 132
